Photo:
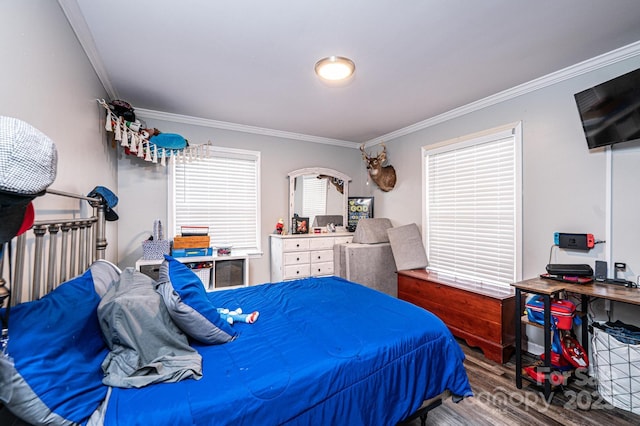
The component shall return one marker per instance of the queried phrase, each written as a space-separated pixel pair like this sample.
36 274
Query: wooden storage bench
482 315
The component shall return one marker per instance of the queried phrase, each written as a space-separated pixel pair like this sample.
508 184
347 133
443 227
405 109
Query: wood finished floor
497 401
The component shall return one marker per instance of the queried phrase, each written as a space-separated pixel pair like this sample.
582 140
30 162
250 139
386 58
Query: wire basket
616 366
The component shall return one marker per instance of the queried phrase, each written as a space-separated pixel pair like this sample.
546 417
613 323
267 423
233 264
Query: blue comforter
324 351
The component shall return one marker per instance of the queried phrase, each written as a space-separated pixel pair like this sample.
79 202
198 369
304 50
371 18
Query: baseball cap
27 221
110 200
17 216
28 165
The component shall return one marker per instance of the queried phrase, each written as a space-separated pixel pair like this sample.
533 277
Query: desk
548 289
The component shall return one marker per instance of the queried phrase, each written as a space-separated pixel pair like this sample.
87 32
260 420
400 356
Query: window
314 197
221 191
473 206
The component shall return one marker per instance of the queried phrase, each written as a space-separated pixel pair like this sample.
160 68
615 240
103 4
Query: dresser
304 255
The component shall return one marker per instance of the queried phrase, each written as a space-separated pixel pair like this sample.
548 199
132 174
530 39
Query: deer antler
364 153
383 155
383 176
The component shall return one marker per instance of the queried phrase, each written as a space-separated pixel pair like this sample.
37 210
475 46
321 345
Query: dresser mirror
319 194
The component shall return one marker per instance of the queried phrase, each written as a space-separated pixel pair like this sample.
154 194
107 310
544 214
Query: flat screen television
610 112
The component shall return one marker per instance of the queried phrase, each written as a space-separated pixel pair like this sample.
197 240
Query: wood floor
497 401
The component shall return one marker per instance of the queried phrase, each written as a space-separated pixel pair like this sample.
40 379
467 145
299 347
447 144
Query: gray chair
407 247
368 260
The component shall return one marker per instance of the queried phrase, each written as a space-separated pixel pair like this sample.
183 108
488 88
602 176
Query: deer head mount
337 182
383 176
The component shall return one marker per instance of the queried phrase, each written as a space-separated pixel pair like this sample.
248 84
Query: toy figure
280 227
237 315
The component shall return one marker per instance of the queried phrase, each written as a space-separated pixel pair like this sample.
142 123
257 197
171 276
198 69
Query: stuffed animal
237 315
280 227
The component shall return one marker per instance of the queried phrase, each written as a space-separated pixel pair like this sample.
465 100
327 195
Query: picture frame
299 225
358 208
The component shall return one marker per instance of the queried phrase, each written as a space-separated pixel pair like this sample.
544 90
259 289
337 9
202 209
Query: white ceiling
249 63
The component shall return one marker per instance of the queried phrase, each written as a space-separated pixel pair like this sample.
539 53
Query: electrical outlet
607 305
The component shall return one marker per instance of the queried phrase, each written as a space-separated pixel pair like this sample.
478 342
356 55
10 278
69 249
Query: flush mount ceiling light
335 68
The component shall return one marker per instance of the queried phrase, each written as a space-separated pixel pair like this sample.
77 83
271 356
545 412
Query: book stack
193 241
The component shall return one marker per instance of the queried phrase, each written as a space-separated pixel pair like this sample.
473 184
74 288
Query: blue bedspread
324 351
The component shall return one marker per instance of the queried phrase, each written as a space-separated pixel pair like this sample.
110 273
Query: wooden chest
482 315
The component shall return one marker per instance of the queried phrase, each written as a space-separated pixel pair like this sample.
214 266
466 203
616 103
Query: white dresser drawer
301 256
296 271
296 258
296 244
321 243
321 256
342 240
325 268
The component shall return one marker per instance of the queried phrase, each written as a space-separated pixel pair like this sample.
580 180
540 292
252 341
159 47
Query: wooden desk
616 293
548 289
481 314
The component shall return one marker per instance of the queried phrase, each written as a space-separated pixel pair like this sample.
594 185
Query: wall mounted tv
610 112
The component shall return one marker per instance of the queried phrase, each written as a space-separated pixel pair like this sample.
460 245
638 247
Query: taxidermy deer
383 176
338 183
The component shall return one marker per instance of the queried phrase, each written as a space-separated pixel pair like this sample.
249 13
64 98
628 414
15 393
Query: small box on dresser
482 315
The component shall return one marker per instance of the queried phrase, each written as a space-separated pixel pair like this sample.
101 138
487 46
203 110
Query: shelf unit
215 272
548 290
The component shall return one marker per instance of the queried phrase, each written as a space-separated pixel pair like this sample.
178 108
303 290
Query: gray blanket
145 345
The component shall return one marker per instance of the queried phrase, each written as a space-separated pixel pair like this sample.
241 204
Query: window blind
471 208
220 191
315 197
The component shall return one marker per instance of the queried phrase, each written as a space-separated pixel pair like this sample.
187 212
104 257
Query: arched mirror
320 194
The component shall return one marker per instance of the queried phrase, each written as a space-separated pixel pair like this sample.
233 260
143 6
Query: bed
323 351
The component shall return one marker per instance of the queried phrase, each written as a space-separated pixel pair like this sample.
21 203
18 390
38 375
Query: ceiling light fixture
335 68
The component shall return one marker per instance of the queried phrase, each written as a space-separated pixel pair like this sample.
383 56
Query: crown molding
224 125
606 59
79 25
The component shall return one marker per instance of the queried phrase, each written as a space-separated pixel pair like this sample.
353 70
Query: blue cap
109 198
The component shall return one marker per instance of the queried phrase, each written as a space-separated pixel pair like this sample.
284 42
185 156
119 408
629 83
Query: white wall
143 186
563 182
47 81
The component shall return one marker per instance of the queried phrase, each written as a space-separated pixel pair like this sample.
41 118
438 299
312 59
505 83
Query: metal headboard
54 251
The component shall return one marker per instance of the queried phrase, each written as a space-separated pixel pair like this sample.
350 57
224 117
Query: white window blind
472 209
315 197
220 191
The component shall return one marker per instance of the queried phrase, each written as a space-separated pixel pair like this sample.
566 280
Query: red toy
280 226
537 374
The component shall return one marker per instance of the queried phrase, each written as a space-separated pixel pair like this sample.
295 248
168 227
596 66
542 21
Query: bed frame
53 251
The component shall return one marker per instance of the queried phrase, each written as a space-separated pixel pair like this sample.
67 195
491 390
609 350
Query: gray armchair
406 245
368 260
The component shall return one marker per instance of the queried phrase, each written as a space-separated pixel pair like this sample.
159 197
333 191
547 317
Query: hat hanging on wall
28 165
110 199
147 143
